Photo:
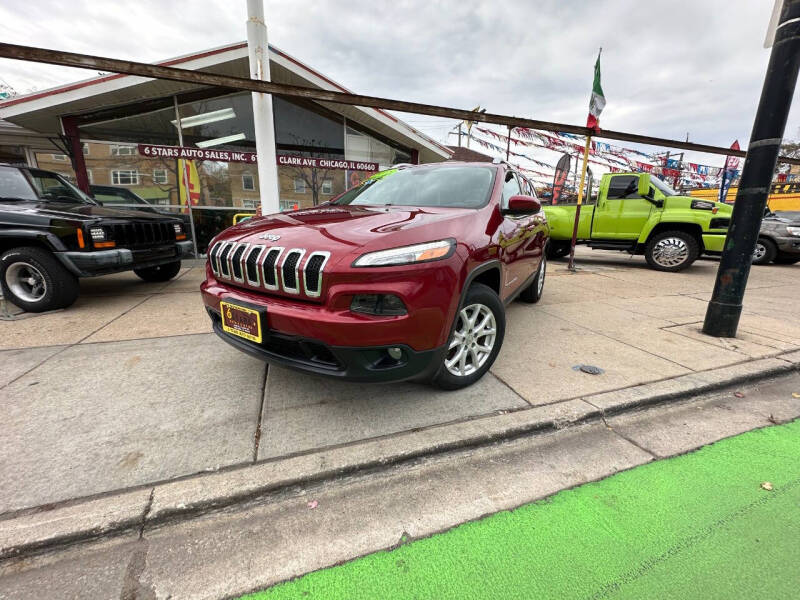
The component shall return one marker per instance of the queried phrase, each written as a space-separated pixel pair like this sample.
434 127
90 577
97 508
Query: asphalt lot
129 387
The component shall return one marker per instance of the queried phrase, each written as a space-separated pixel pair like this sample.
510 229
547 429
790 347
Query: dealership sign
195 153
187 153
325 163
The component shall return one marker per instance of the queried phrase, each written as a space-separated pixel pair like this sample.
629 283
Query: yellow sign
241 321
188 177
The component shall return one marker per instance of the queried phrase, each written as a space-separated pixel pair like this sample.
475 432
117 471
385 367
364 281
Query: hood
80 211
723 210
350 228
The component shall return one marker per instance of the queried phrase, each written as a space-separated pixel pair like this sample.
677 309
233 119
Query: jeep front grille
272 268
142 234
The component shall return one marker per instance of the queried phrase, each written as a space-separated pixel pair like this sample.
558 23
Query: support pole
258 51
571 265
725 307
184 176
508 142
73 135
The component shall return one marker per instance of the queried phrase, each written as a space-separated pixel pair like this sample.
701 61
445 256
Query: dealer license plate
241 321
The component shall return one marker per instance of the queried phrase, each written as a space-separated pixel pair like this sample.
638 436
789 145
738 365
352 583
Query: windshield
14 185
662 187
451 187
53 187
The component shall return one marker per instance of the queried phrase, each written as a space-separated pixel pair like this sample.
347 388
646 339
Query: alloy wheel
671 252
760 251
473 340
26 282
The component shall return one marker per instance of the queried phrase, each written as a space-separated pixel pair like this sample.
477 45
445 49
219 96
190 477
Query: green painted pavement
695 526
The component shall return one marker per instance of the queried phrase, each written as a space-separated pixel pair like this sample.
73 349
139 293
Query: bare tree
314 177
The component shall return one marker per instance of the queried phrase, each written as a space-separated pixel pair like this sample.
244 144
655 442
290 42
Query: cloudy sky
669 68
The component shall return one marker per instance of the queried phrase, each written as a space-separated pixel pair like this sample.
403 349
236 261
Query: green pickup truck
640 214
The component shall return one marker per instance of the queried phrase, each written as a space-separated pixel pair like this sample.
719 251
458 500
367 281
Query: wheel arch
692 229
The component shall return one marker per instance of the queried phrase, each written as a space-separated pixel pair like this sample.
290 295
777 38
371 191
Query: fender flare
53 243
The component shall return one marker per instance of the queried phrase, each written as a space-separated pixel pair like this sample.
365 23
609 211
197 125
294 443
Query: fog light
378 304
395 353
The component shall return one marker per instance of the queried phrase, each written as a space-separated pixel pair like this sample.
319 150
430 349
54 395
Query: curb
131 511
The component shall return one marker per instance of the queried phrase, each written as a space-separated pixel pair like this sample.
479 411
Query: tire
159 273
33 279
787 259
557 249
765 251
479 303
533 293
671 251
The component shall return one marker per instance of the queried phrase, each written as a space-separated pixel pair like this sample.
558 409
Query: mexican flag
598 100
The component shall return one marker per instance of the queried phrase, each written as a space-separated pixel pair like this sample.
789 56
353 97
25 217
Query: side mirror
644 185
523 205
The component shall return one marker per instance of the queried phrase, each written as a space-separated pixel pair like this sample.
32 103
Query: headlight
98 234
407 255
179 234
793 231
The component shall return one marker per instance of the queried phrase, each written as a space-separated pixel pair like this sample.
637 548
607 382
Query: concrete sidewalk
129 388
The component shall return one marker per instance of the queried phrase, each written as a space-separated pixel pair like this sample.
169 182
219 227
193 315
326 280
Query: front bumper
788 245
349 363
714 243
102 262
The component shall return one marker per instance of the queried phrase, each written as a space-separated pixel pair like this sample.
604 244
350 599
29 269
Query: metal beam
99 63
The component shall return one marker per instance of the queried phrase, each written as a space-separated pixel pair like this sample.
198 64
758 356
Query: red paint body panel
431 291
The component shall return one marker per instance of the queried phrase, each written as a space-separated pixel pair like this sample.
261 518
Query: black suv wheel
475 341
34 280
159 273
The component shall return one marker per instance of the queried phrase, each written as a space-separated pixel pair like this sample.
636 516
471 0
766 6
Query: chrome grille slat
269 268
213 259
312 282
293 272
236 262
257 251
224 265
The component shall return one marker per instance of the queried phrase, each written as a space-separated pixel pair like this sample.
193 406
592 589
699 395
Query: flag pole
571 265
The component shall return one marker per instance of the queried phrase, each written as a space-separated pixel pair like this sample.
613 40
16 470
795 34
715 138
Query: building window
288 205
85 149
250 203
299 185
117 150
160 176
89 175
59 156
327 186
248 182
128 177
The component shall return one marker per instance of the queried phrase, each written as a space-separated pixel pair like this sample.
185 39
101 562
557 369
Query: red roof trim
83 84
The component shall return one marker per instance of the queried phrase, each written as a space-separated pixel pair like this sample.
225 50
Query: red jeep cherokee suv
403 277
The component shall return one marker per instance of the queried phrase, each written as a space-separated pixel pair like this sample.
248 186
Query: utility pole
263 122
459 134
508 143
725 307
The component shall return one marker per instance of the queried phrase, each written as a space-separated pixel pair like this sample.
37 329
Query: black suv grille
135 235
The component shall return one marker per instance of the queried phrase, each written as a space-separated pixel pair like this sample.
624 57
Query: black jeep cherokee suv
51 233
